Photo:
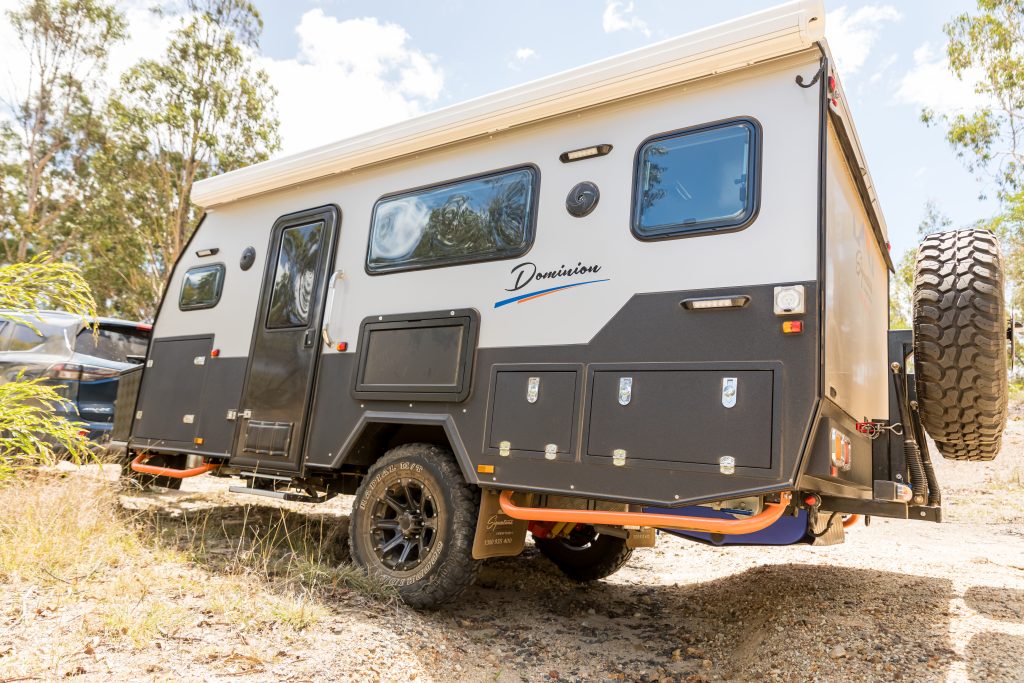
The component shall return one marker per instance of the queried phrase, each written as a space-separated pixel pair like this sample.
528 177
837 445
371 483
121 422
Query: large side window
201 287
480 219
696 180
295 276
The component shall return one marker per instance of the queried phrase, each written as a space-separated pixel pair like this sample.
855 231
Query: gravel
899 601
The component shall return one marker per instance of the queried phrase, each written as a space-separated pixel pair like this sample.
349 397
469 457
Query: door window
295 276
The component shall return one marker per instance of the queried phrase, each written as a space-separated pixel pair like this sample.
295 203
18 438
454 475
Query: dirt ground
900 600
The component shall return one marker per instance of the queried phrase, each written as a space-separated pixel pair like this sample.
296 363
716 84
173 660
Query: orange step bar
771 514
138 465
850 521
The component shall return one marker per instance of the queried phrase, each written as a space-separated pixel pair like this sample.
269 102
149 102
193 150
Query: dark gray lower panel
166 395
172 385
650 328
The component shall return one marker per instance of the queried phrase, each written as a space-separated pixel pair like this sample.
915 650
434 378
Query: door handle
309 337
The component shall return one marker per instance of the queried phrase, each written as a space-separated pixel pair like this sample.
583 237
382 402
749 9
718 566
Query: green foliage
987 47
199 110
53 132
106 181
31 432
44 283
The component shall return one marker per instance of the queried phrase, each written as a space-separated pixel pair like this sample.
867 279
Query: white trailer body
658 280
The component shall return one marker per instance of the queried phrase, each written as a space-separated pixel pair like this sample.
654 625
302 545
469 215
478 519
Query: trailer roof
728 46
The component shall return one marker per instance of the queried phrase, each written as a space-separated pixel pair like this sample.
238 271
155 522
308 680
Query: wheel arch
377 432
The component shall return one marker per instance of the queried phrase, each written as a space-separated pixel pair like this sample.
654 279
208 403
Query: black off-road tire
960 343
585 555
447 567
147 482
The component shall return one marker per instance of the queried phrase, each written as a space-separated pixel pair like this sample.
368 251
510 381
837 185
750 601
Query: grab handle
325 332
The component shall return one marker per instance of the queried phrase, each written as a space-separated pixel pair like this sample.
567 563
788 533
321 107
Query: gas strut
911 451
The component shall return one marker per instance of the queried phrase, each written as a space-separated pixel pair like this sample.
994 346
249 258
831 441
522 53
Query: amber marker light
793 327
342 346
485 469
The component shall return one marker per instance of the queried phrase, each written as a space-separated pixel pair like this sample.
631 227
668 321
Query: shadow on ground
524 621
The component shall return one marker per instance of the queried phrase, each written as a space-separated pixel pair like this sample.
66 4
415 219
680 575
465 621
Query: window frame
531 227
220 287
681 230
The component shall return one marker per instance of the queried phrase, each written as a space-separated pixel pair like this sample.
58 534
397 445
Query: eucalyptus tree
202 108
53 124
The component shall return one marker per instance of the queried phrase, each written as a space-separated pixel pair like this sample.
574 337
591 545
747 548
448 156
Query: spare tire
960 342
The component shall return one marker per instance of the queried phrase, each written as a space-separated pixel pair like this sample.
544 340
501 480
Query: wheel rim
403 525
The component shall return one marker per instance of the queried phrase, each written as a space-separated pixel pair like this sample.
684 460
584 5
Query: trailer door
286 342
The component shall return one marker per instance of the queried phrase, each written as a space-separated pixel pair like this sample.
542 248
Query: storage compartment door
172 389
682 416
532 409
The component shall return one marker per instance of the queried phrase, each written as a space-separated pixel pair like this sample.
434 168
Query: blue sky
891 60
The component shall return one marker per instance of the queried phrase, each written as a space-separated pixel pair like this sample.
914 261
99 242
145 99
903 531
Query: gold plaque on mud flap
497 534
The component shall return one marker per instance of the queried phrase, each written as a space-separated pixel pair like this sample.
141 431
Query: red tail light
79 373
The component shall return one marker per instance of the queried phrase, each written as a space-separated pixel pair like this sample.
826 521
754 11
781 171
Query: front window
480 219
697 180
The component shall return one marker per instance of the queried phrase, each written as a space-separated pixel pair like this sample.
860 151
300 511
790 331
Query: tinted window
471 220
295 277
201 287
24 338
696 180
112 344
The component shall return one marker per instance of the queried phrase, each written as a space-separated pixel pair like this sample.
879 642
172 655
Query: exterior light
793 327
584 153
738 301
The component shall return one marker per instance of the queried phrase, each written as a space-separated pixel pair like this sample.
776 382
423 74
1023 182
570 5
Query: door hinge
232 415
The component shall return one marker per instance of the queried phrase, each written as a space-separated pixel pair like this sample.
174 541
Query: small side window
201 287
479 219
697 180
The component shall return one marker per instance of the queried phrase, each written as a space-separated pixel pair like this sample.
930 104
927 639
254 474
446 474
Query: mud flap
497 534
823 534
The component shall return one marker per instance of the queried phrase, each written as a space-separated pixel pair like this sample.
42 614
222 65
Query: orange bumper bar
138 465
771 514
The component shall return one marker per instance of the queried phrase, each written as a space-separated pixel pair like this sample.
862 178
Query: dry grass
98 573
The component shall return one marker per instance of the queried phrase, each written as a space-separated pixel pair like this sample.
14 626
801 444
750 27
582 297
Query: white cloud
618 16
349 77
525 53
851 36
521 56
929 83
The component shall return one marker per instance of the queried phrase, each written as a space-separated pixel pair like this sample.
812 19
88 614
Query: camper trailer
645 296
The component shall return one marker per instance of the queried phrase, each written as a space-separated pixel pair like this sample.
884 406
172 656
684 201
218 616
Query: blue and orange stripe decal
530 296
